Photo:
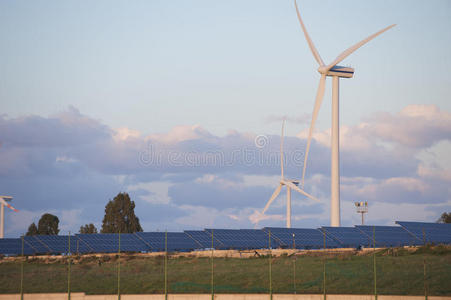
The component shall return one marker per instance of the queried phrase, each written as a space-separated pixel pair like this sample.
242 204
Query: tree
48 225
32 229
445 218
120 216
88 228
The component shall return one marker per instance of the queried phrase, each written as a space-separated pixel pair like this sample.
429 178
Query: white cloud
181 133
155 192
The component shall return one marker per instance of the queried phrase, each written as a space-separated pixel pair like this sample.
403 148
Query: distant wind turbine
3 202
289 183
336 72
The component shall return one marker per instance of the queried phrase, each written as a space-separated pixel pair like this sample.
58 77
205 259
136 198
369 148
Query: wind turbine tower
336 72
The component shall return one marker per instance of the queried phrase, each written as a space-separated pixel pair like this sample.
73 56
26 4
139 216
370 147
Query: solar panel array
389 236
243 238
301 238
348 237
428 232
408 233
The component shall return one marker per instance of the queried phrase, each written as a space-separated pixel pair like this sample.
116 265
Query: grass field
399 271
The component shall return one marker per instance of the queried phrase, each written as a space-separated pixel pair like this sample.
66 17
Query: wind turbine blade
281 149
2 201
318 102
274 196
351 49
307 37
294 187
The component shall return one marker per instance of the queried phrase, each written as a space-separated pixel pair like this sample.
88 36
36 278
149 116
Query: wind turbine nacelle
344 72
7 198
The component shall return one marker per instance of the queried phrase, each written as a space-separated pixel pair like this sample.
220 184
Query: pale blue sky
150 65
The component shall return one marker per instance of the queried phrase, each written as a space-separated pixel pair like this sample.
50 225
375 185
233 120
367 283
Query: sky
180 103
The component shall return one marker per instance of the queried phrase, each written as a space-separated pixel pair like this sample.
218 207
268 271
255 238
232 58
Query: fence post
270 265
212 266
324 265
21 272
166 265
294 264
424 267
374 263
119 268
69 253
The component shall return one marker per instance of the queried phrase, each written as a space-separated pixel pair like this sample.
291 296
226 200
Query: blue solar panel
429 232
176 241
389 236
243 238
409 233
57 244
103 243
37 245
301 238
14 247
348 236
203 238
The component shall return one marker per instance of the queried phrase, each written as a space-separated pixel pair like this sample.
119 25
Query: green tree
120 216
445 218
88 228
48 225
32 229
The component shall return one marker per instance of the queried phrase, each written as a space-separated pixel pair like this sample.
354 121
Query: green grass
399 272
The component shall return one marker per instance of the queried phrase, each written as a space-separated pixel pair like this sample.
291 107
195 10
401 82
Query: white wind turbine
289 183
3 202
336 72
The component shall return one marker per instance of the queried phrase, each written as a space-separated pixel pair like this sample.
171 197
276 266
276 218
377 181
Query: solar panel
102 242
429 232
348 236
10 246
176 241
301 238
37 245
389 236
57 244
203 238
243 238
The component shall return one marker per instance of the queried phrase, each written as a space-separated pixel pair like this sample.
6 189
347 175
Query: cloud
188 177
69 128
416 126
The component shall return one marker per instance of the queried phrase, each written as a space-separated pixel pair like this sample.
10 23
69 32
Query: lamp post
362 208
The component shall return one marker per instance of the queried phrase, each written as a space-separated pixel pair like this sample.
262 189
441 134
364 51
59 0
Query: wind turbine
336 72
3 202
289 183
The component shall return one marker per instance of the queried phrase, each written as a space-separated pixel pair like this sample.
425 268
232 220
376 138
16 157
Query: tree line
119 217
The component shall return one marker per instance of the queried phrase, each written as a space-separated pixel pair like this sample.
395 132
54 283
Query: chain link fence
424 270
